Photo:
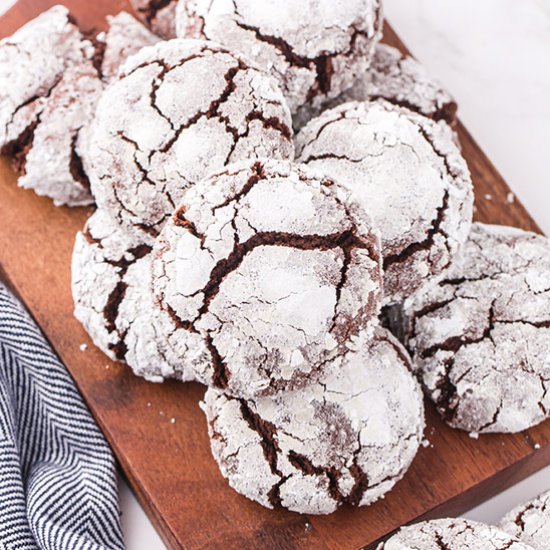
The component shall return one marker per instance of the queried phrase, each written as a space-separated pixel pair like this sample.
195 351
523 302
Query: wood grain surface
168 464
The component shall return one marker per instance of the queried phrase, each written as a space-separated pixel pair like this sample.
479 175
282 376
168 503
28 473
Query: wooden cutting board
158 432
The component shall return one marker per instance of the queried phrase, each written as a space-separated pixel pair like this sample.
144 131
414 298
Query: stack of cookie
267 185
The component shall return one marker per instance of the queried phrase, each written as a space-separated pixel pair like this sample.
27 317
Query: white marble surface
494 56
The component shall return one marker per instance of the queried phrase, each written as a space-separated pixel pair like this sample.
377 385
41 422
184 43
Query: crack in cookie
408 174
238 113
478 335
310 260
451 534
315 449
278 40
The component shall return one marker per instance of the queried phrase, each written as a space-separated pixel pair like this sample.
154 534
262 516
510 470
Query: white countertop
493 55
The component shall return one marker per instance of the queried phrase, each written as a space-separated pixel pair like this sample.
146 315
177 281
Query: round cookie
480 335
180 110
315 49
273 269
530 522
345 439
159 16
111 290
452 534
409 175
402 80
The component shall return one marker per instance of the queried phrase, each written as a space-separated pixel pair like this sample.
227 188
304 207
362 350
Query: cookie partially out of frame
407 172
480 336
452 534
315 49
530 522
344 440
180 110
56 76
274 270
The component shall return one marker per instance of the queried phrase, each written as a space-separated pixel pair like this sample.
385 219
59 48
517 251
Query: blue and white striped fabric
57 475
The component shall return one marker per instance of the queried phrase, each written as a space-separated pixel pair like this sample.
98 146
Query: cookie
111 279
530 522
452 534
480 335
57 76
180 110
53 90
315 49
102 257
409 175
273 269
125 36
401 80
158 15
344 440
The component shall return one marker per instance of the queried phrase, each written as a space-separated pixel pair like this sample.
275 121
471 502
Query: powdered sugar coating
180 110
452 534
56 78
112 294
315 48
408 174
273 269
160 17
402 80
530 522
480 335
125 37
53 89
103 254
346 439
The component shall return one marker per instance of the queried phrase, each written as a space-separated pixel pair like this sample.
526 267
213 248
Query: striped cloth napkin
57 474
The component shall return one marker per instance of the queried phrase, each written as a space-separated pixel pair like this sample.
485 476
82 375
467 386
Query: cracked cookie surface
530 522
53 89
347 438
273 269
314 48
452 534
480 334
401 80
180 110
158 15
57 76
408 174
111 291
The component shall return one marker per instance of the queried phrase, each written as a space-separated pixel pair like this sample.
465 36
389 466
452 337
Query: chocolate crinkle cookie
452 534
56 75
401 80
178 111
158 15
315 48
530 522
275 271
480 335
111 275
408 173
345 439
